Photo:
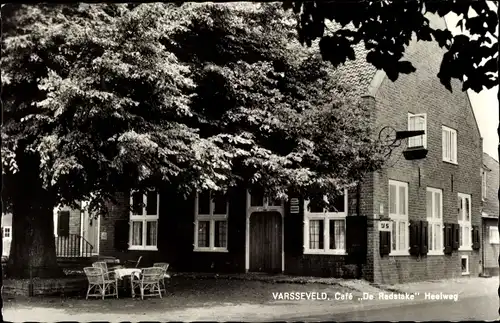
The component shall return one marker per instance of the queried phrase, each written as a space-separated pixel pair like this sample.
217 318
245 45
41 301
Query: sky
484 104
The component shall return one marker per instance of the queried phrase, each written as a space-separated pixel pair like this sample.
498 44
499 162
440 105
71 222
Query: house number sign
385 226
294 205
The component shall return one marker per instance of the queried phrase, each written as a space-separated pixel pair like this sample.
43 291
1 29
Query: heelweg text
338 296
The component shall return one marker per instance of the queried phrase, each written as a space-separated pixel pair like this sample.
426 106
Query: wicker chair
107 273
98 283
133 263
165 266
150 280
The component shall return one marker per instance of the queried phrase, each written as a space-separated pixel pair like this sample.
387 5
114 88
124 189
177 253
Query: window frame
144 218
467 272
396 218
10 232
464 223
453 152
211 218
325 216
433 221
424 136
495 233
267 204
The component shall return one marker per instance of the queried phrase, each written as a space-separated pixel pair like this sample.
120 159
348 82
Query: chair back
163 265
103 265
138 262
95 275
152 274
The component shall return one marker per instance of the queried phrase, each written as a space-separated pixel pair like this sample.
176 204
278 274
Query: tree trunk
33 249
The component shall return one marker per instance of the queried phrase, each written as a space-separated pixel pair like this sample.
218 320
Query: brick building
490 242
76 234
429 190
6 233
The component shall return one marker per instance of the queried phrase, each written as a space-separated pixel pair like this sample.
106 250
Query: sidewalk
210 297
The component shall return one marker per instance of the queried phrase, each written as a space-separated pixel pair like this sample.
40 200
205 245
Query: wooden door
90 233
265 242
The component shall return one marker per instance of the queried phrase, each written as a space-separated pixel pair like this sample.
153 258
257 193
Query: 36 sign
385 226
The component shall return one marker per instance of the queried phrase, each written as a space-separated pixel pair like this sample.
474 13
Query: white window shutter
455 147
411 127
444 144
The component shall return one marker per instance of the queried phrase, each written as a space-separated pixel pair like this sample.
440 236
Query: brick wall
176 236
490 208
120 211
490 203
421 92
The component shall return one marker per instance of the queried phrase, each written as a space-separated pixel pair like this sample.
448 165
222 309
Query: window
465 265
324 229
435 219
210 222
144 220
398 213
449 145
417 122
464 221
494 238
483 184
7 232
258 199
63 223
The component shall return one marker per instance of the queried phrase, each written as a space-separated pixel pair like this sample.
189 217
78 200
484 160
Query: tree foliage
102 98
387 27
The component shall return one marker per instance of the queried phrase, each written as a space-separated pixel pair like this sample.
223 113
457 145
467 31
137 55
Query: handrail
73 245
87 244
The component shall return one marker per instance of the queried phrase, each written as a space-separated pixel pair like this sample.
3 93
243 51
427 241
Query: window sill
435 253
399 253
143 248
495 243
324 252
416 147
465 249
450 162
465 273
210 250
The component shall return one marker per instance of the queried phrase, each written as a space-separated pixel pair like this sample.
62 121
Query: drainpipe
483 229
358 213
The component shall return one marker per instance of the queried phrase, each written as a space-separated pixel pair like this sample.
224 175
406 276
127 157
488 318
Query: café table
126 272
132 273
123 274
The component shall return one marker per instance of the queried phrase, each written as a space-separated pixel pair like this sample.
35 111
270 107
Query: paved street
475 308
238 300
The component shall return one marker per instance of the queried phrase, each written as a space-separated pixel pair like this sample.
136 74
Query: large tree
386 27
101 99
